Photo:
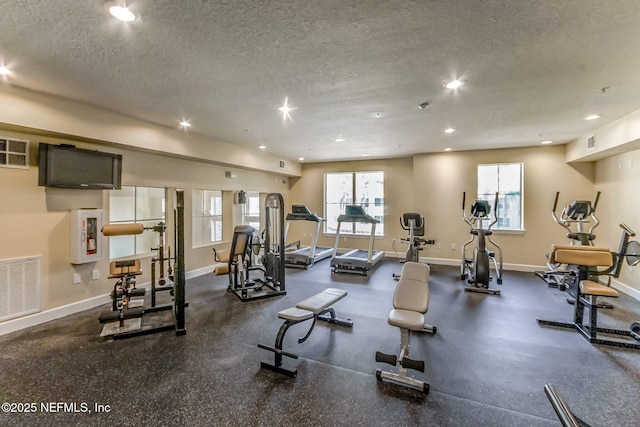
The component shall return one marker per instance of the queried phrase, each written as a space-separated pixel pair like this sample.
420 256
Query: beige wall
432 184
36 220
440 179
309 190
618 177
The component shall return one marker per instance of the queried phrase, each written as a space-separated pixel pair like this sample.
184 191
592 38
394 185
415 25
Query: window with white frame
14 153
206 217
145 205
506 179
251 210
353 188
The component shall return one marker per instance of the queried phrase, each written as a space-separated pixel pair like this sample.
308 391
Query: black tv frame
51 158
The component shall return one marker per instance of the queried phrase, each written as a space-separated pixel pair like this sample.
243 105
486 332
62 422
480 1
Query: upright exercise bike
414 224
476 270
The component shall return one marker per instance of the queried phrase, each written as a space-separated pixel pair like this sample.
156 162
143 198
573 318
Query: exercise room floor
487 365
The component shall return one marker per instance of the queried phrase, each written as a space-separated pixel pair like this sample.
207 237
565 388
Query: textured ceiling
533 69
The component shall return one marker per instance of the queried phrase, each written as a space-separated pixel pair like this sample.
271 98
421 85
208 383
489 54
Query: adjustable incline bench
587 293
317 307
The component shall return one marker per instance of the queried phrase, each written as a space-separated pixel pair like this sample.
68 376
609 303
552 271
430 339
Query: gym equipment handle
561 407
627 230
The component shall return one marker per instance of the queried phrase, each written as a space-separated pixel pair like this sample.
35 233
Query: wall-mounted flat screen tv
66 166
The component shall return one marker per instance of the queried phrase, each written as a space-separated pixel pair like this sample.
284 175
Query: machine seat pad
221 269
589 287
320 302
407 319
295 314
580 255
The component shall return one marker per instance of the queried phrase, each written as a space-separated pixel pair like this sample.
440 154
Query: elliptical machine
577 214
476 270
414 224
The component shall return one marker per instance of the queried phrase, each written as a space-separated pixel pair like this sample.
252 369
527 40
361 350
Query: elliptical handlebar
471 221
464 215
565 221
596 222
495 212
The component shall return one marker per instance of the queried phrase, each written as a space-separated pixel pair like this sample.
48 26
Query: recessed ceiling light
285 109
185 123
423 106
592 117
262 146
300 159
454 84
548 141
365 154
119 11
447 149
449 130
378 115
4 71
338 139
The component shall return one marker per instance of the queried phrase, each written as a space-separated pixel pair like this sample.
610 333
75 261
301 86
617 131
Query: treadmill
356 260
306 256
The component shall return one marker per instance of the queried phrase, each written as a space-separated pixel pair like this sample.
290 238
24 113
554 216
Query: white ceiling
533 69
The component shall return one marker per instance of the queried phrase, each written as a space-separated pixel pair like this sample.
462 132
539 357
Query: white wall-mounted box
86 238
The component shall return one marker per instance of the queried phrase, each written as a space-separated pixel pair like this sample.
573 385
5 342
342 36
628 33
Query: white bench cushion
323 300
406 319
295 314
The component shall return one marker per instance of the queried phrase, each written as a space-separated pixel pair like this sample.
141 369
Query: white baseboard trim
506 266
14 325
20 323
626 289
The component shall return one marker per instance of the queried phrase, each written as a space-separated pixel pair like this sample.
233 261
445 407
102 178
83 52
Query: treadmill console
300 210
354 210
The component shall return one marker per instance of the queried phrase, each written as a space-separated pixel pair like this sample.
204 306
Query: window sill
510 231
210 244
352 236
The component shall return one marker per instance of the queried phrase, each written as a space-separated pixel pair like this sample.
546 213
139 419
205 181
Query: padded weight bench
587 293
317 307
410 304
128 316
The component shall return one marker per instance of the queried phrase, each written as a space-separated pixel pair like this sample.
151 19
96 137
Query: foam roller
121 229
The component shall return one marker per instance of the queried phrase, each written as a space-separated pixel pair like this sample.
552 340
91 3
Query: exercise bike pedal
386 358
416 365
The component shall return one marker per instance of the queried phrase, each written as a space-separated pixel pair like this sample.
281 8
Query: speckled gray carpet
487 364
